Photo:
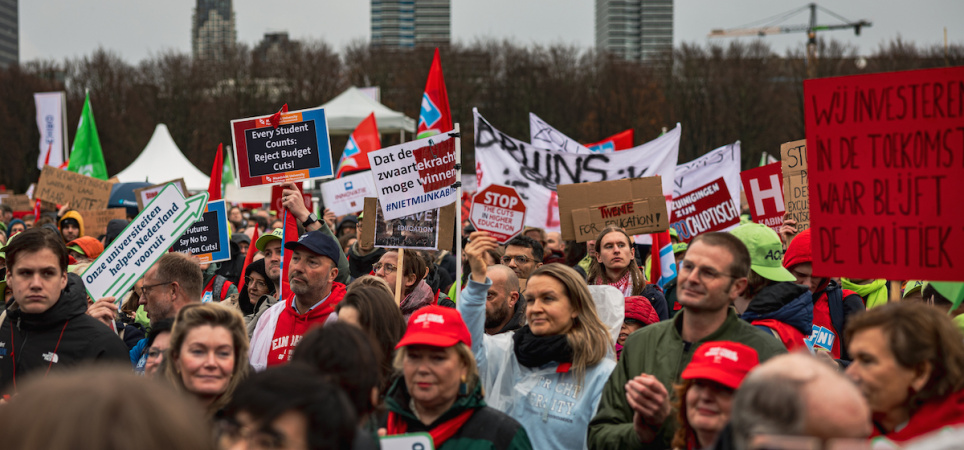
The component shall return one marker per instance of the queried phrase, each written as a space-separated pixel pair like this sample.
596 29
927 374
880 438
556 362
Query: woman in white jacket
549 374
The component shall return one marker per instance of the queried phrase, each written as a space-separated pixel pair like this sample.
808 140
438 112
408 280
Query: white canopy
349 108
162 161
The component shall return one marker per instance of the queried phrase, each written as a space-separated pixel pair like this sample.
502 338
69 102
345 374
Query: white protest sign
144 240
543 135
536 172
722 162
500 211
346 195
415 176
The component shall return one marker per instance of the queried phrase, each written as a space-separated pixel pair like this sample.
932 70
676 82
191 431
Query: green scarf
874 293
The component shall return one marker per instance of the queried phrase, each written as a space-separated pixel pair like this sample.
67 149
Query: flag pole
458 213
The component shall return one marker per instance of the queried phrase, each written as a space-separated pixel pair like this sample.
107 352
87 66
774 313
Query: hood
72 303
799 250
786 302
371 258
76 216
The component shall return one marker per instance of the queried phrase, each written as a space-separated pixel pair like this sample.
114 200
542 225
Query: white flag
50 121
543 135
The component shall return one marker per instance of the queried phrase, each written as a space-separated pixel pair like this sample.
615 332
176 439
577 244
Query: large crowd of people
329 342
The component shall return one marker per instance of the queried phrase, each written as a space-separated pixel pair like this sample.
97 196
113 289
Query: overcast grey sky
137 28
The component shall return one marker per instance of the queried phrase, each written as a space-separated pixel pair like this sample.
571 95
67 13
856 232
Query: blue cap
317 242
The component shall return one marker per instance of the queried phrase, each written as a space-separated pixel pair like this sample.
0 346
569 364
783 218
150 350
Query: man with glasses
523 255
635 404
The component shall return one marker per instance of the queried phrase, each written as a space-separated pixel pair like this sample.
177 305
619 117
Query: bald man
503 310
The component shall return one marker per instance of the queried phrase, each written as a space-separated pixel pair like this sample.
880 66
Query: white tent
162 161
349 108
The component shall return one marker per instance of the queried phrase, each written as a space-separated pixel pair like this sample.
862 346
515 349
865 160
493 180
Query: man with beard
311 274
503 310
270 246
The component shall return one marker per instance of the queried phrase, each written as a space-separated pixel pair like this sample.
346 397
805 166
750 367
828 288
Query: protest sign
764 193
95 221
142 242
888 153
373 221
207 239
346 195
298 149
69 188
276 200
145 194
636 205
707 208
721 162
500 211
17 202
535 173
415 176
796 185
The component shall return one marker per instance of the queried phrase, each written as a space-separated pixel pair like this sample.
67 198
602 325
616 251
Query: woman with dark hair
908 360
256 286
615 262
416 293
374 311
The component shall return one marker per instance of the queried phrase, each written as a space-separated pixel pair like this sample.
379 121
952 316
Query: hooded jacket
786 309
62 336
361 265
73 215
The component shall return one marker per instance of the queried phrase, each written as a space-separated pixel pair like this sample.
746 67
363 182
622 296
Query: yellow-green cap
277 234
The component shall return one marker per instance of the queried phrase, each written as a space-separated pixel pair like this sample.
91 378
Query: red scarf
441 433
932 416
624 284
292 326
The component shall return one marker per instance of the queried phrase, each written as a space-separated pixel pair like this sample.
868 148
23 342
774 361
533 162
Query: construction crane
811 29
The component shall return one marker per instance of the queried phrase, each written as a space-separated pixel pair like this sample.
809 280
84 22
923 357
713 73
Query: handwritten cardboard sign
298 149
415 176
207 239
142 242
796 185
17 202
373 221
888 158
79 191
709 207
144 195
95 221
764 194
634 204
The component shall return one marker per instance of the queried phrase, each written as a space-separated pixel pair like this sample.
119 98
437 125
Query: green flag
86 157
227 173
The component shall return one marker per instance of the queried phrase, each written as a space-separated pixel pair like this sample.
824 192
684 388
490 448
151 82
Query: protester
158 343
503 310
71 226
440 392
555 248
361 258
548 374
312 276
639 312
537 234
236 218
216 287
372 309
416 293
270 246
293 202
346 226
208 354
615 263
705 397
114 228
523 255
908 360
832 306
635 402
46 322
913 291
232 268
100 408
873 292
85 248
345 242
16 226
257 296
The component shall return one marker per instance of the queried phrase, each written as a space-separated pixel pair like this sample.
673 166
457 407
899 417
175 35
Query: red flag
252 250
435 116
619 141
290 235
36 205
214 186
364 139
663 262
276 117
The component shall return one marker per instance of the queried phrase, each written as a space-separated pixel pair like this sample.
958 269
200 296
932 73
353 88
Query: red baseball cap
724 362
437 326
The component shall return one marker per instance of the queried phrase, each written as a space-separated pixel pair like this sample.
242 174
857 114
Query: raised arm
292 201
472 300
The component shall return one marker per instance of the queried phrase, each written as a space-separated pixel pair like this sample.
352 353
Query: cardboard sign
796 185
764 193
144 195
346 195
276 201
888 160
707 208
372 221
635 204
207 239
415 176
417 231
18 202
500 211
142 242
95 222
299 149
69 188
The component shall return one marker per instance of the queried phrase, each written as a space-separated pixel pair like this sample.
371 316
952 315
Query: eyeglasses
153 353
705 274
256 283
146 287
519 259
389 268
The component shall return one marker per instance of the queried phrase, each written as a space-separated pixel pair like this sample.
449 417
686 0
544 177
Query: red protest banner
707 208
276 199
886 161
764 192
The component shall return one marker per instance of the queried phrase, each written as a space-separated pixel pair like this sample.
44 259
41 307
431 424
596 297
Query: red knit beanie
639 308
799 250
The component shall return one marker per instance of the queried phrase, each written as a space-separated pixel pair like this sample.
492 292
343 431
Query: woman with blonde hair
208 354
549 374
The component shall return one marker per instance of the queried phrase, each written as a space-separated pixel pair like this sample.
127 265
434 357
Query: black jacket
360 265
30 339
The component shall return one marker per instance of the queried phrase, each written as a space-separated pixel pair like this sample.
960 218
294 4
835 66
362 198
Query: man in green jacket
635 411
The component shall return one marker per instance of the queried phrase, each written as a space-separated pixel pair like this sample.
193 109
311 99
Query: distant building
9 34
212 29
635 30
411 23
274 45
